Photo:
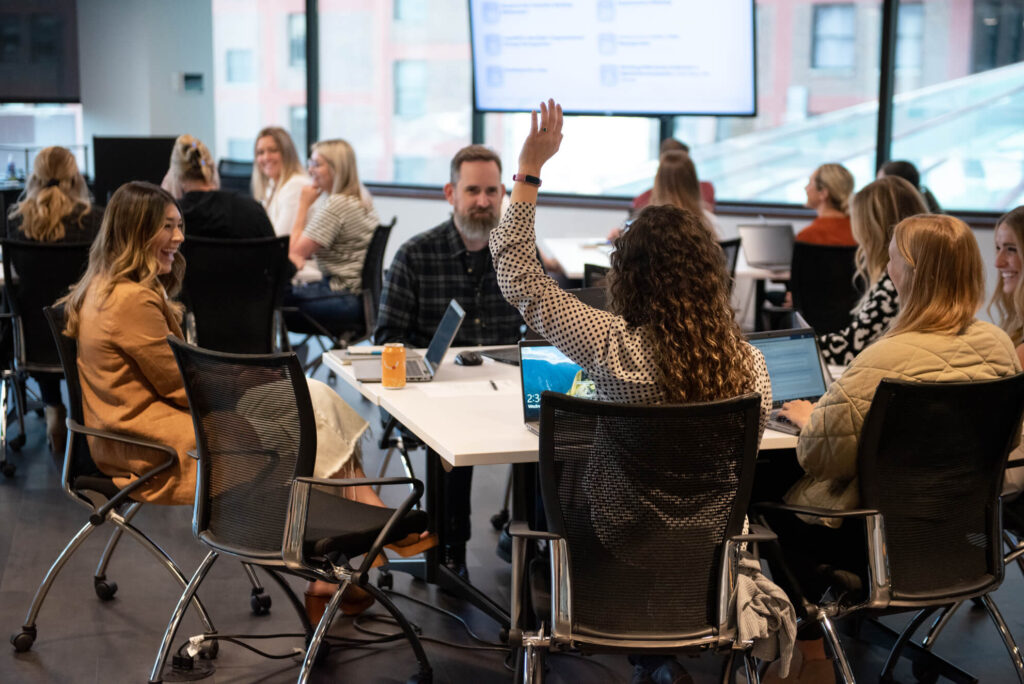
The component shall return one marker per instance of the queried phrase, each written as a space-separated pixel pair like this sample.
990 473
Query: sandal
413 544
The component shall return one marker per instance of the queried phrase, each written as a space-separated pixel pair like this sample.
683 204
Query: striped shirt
343 229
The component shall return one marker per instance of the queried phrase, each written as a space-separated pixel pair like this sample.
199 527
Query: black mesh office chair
235 176
233 291
85 484
594 275
256 499
372 284
823 285
36 274
645 507
930 461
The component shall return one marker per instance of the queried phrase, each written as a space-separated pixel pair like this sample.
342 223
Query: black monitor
119 160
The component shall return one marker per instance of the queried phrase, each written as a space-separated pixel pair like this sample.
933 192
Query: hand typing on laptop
797 412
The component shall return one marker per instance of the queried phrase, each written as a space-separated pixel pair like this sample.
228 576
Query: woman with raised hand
936 268
56 207
278 177
874 212
209 211
670 336
828 193
338 234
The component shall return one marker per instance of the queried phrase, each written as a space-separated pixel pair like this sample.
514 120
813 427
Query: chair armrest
193 454
1015 463
518 528
126 491
757 533
298 513
815 511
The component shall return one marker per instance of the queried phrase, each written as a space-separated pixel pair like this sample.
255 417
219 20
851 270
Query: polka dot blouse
619 359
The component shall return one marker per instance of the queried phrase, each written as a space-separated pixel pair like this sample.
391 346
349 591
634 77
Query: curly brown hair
668 275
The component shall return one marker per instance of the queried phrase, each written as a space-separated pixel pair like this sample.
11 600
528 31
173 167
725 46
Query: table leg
759 298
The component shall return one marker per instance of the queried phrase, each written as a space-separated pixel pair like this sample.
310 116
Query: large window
835 37
259 73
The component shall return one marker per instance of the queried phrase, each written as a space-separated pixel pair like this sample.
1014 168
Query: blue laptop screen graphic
793 366
546 368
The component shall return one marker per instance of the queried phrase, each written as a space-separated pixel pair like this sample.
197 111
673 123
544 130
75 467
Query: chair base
193 671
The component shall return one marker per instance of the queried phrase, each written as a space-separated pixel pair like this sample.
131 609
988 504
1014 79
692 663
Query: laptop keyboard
415 367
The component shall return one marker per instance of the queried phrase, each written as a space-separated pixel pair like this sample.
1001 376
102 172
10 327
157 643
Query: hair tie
202 162
52 183
195 144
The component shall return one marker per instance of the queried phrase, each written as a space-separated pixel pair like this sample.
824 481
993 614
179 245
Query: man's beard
476 225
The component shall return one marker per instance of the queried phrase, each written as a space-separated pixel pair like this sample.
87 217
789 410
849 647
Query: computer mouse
469 358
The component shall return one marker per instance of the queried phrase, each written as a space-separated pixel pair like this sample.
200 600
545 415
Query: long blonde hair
124 250
341 159
945 276
1011 306
54 191
668 276
839 183
874 212
191 161
290 164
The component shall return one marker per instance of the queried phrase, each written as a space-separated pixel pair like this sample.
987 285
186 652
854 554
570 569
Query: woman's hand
308 195
543 140
797 412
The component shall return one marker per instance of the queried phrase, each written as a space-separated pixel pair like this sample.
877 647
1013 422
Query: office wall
131 55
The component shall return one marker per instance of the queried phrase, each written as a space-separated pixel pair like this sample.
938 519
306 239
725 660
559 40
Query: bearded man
452 261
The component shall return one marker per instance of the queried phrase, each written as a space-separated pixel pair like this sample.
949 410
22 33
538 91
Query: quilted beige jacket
827 449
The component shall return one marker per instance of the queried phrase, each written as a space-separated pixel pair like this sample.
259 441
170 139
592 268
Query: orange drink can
392 366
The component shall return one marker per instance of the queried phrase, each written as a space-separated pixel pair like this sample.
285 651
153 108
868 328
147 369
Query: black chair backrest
593 275
235 176
931 459
822 283
373 273
645 496
67 350
255 432
731 250
36 274
232 288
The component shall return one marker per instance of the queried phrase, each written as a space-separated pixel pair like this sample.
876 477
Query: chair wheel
260 604
16 443
7 469
924 674
105 589
499 519
23 640
421 678
385 580
209 649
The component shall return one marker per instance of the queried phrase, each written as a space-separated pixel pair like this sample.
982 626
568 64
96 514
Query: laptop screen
794 365
767 243
445 333
545 367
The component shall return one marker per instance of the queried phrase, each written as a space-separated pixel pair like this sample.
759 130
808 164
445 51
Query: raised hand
544 138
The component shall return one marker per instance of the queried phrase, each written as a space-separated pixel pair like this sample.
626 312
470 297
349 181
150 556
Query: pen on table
493 385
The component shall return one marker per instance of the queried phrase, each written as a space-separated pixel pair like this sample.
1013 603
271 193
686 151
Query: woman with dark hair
670 336
908 172
56 207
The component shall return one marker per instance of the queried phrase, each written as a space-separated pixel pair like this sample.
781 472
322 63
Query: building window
910 36
240 149
834 43
410 88
239 66
297 40
297 126
411 11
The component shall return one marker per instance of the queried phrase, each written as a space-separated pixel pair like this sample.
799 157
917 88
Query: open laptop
542 366
596 297
767 245
419 369
795 368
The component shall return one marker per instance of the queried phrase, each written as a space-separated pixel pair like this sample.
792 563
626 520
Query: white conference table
467 420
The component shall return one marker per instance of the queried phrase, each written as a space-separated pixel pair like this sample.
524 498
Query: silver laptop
795 368
767 245
542 366
419 369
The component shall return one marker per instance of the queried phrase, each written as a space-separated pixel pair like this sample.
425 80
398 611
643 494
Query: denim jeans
336 311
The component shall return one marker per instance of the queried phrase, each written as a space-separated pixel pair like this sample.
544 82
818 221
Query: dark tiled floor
82 639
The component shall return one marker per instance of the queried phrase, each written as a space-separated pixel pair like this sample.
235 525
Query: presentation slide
615 56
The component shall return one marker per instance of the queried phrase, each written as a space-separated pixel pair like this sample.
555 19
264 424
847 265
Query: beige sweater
827 449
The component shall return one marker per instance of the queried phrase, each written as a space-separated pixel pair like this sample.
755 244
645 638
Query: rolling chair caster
23 640
7 469
385 580
16 443
105 589
259 602
499 519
